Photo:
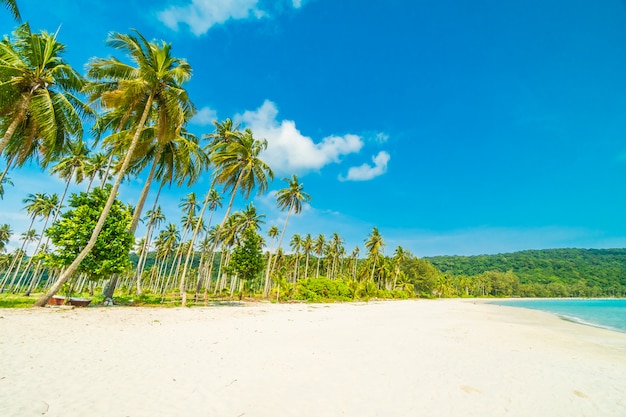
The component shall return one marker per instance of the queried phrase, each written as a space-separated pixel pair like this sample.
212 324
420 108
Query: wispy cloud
202 15
288 149
367 172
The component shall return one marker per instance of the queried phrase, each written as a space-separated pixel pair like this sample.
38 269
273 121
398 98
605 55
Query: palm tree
96 166
178 157
48 205
399 256
318 247
3 181
72 166
337 249
296 244
154 218
374 245
39 101
5 235
155 81
307 248
291 198
272 233
355 256
238 168
12 6
248 218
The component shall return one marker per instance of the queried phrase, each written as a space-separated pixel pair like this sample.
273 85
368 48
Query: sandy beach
401 358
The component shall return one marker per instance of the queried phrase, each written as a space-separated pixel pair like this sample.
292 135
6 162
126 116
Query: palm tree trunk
43 300
6 169
105 177
280 241
19 117
30 260
144 192
230 205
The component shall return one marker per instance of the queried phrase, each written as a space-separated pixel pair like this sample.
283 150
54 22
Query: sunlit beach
424 357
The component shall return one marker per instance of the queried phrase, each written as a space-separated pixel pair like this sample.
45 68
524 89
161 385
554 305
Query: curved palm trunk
105 177
6 169
144 192
43 300
19 117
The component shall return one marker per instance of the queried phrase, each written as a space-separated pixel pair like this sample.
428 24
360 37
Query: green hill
550 272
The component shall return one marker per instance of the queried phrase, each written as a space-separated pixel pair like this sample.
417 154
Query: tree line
541 273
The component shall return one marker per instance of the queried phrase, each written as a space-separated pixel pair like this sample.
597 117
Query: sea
605 313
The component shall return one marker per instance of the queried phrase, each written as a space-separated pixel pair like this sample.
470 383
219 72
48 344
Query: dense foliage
71 233
544 273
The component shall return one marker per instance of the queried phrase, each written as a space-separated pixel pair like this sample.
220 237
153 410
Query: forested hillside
550 272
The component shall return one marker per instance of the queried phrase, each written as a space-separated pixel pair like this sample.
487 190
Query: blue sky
455 126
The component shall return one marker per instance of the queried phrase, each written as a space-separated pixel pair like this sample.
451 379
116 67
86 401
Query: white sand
408 358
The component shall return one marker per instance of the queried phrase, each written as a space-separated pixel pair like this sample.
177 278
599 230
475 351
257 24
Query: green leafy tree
247 258
111 253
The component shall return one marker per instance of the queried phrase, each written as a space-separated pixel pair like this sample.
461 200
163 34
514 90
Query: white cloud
204 117
288 149
367 172
202 15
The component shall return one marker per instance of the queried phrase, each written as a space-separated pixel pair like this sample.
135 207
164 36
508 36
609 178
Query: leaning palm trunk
6 169
19 117
144 192
103 216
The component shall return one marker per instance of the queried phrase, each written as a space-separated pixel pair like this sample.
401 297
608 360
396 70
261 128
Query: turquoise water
602 313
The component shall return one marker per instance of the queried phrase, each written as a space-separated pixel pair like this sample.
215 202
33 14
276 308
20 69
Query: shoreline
455 357
563 316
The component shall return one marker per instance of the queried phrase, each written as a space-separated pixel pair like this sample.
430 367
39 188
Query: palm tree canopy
293 196
238 165
11 5
374 243
38 91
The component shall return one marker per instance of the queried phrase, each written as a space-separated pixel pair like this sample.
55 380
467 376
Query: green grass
16 301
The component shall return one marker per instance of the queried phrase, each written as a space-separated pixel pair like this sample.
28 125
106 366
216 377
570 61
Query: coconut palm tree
272 233
5 180
11 5
95 166
48 205
318 247
296 245
239 169
154 218
156 80
72 166
39 101
374 245
307 248
399 256
355 257
291 198
5 235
